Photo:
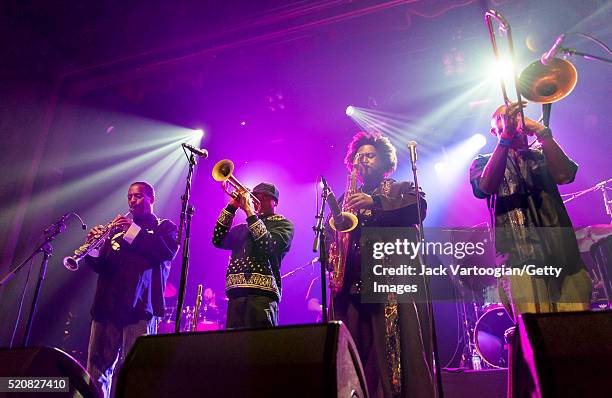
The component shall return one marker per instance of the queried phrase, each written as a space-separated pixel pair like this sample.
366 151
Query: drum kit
486 322
483 318
485 325
208 316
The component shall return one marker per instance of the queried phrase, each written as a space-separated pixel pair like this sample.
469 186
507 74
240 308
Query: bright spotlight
198 133
478 141
502 68
350 110
440 168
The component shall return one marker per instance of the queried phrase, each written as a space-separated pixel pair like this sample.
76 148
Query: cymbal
592 234
170 290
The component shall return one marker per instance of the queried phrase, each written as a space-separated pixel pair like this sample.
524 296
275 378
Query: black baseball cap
268 189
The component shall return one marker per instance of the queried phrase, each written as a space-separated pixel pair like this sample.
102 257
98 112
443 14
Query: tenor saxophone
72 263
338 249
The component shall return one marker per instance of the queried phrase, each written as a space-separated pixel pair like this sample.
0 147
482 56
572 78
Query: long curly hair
383 146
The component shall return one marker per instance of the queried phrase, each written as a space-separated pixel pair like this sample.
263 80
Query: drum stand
470 359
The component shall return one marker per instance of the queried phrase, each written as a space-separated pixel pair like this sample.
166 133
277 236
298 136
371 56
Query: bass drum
489 332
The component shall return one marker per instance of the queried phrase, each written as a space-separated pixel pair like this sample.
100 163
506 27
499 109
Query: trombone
223 171
537 83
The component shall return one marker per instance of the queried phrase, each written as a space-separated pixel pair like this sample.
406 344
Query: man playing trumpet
253 282
132 267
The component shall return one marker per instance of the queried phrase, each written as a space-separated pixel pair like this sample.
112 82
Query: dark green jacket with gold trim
258 248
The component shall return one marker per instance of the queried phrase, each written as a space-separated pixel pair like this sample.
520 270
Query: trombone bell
548 83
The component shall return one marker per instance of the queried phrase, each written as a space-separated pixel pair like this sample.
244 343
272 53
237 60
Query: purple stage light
350 110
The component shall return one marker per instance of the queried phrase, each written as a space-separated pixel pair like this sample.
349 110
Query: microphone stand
572 51
298 269
434 338
319 245
187 211
47 249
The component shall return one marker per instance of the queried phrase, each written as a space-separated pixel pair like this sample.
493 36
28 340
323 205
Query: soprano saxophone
72 263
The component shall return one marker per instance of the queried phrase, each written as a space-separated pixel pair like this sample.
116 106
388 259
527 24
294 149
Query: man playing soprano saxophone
132 267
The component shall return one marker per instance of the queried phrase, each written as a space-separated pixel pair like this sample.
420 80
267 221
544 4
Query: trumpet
537 83
223 171
72 263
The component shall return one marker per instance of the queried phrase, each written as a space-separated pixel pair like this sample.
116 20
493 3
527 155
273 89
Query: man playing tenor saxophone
394 358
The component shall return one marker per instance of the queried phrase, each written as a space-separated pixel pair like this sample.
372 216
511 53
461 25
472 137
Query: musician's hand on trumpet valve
244 201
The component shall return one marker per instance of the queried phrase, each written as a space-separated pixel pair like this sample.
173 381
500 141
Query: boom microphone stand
51 232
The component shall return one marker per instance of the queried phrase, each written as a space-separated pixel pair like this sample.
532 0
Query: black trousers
366 322
251 311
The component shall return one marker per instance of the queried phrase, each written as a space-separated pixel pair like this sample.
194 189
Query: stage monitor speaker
46 362
318 360
564 354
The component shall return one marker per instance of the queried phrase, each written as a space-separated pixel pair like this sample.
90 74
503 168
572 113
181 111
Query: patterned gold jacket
258 248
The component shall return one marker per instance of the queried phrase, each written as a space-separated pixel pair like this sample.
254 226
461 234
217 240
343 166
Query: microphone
546 57
83 225
413 153
60 225
324 182
201 152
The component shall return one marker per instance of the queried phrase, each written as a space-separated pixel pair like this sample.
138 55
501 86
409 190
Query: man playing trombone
253 282
132 266
531 223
